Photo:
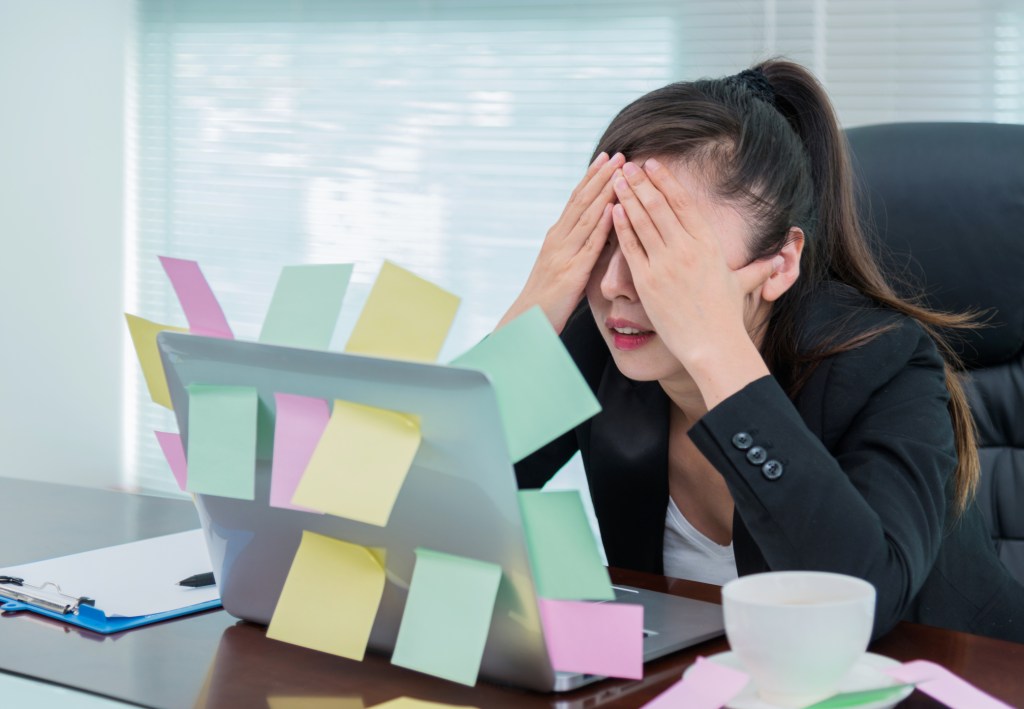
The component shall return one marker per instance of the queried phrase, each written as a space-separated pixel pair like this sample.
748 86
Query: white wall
62 82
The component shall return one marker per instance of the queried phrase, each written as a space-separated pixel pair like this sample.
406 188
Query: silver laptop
459 497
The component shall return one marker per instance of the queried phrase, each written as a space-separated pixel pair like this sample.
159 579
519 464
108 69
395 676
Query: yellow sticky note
330 598
144 334
410 703
315 702
405 317
360 463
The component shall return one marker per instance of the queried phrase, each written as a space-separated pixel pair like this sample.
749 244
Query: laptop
459 497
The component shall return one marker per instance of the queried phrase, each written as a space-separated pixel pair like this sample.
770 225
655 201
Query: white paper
128 580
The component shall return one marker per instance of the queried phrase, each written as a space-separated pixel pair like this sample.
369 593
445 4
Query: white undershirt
690 555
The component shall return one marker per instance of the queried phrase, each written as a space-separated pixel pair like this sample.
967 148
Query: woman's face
636 348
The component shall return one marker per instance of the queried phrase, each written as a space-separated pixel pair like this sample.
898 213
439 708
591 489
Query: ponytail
844 255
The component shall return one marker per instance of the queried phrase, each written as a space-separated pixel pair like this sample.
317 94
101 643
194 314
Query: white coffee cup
798 632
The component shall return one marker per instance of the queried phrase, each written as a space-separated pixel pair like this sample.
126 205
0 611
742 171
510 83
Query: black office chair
946 203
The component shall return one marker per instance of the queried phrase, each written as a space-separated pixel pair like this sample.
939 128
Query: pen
198 580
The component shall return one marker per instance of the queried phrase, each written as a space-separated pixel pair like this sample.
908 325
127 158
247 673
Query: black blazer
853 475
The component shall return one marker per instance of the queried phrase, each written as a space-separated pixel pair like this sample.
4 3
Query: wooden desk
214 660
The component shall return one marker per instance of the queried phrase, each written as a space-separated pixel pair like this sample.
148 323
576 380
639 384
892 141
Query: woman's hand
571 247
703 310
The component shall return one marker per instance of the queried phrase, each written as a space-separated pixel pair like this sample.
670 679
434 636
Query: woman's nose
617 281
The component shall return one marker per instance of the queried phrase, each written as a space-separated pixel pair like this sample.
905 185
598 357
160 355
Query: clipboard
91 618
138 576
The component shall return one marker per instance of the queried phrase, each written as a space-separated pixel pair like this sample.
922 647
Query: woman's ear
786 274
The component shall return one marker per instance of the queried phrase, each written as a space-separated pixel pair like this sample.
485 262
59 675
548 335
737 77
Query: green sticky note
222 440
859 698
541 394
563 552
447 616
306 305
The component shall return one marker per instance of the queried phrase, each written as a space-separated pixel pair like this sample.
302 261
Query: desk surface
214 660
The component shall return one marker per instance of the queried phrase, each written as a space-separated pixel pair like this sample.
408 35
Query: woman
768 402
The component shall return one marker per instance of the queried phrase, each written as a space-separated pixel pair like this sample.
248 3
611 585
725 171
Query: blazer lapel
628 470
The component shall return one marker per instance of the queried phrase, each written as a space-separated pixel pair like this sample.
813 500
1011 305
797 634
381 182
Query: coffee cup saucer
866 674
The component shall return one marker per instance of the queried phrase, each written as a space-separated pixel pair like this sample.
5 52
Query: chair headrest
946 203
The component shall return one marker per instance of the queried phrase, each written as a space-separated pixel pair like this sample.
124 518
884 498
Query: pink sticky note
174 452
595 638
943 686
202 310
707 685
301 421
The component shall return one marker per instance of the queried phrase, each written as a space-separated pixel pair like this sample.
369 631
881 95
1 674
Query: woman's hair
767 140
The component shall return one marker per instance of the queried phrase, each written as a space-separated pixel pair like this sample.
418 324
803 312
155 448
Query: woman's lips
627 335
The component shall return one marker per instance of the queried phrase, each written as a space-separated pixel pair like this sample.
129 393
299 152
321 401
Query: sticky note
283 702
144 334
360 463
300 422
563 552
306 304
943 686
330 598
410 703
222 440
405 317
541 394
706 685
594 638
447 616
202 310
174 452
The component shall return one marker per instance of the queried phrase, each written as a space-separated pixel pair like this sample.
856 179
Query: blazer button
742 441
757 455
772 470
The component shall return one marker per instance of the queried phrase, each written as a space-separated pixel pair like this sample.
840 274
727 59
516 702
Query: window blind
446 135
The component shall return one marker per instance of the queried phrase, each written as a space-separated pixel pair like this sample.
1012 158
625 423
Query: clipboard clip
48 595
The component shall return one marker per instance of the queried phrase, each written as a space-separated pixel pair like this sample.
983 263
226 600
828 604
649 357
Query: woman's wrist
557 315
723 370
514 311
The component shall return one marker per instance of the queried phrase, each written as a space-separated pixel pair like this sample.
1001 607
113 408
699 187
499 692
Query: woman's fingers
592 169
756 274
590 218
658 210
592 189
640 221
595 240
599 235
677 198
630 244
